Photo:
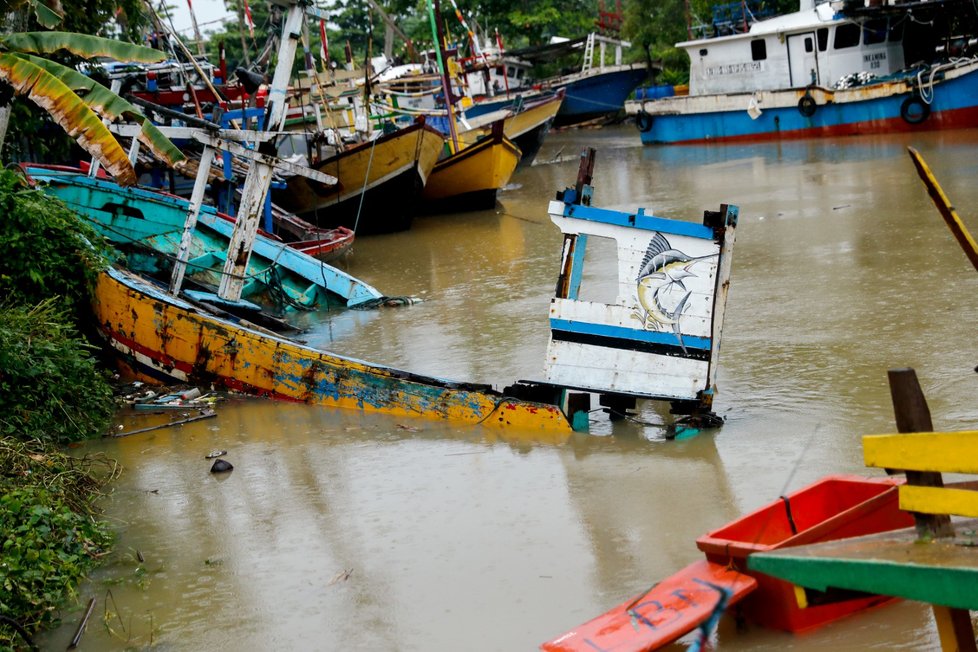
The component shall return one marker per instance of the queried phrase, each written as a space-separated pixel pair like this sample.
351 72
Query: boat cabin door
803 59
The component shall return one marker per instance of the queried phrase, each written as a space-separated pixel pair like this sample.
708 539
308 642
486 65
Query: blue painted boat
147 225
888 107
599 94
814 73
597 89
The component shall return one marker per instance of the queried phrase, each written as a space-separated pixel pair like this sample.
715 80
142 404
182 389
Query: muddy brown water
338 530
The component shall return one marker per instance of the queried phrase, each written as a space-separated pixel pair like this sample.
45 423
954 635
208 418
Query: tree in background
657 25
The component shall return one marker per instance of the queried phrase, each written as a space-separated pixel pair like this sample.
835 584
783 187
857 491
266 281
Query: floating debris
342 576
214 454
203 414
221 466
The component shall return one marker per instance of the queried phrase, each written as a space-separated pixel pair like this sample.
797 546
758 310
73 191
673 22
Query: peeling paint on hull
165 339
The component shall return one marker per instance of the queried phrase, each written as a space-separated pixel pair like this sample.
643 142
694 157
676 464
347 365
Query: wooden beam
950 452
945 208
939 500
942 572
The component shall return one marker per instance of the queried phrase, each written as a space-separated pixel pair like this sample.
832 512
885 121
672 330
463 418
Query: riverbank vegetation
52 392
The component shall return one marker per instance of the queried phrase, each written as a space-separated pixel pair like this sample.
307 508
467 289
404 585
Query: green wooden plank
943 571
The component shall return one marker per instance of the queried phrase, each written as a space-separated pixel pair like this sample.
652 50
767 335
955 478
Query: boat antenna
197 36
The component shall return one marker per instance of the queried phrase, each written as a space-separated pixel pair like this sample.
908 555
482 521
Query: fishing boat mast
260 172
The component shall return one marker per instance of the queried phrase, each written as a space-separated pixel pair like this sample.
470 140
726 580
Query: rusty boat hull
161 338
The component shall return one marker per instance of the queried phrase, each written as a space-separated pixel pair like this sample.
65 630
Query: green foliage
48 250
48 536
51 388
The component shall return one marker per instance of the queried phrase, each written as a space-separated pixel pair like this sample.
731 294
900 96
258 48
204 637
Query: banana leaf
112 107
49 13
69 111
81 44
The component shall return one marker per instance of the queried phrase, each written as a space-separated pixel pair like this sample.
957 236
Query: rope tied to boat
366 180
280 295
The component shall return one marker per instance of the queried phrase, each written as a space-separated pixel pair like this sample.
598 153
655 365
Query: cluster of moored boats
208 293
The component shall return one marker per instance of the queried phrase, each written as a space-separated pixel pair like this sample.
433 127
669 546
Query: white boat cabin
813 46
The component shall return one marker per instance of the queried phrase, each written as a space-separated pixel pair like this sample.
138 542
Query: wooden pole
912 415
260 173
584 174
946 209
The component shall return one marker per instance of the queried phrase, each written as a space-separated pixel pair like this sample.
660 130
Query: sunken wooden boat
833 508
162 338
380 182
469 179
147 225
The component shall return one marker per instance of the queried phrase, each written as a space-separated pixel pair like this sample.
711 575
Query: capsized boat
829 69
469 179
835 507
380 182
147 225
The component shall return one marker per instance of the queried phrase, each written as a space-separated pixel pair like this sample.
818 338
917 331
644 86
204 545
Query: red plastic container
835 507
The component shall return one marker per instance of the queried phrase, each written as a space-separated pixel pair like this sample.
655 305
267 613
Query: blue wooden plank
638 220
637 335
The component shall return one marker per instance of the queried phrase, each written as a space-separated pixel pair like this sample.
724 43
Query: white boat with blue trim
834 68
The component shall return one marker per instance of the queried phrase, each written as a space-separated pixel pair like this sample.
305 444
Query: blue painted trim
577 267
619 332
638 220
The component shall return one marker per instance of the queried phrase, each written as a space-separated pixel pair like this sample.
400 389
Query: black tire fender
644 121
914 110
807 105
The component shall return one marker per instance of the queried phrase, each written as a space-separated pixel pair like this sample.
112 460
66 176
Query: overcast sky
208 12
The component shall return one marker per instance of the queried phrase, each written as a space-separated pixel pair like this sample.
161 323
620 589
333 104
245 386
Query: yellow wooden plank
948 452
939 500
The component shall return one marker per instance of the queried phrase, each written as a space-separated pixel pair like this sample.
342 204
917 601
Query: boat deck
940 571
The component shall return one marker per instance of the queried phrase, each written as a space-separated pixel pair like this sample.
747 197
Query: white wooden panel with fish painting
660 339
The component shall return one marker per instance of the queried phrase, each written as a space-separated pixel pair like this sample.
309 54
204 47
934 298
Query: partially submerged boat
835 507
147 225
162 336
829 69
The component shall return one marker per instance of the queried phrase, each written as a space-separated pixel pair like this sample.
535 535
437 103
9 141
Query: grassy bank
52 392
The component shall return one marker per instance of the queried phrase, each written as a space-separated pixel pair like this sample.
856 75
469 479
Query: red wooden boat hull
835 507
650 620
336 242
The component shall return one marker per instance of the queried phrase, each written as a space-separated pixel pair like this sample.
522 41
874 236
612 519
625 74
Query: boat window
808 44
846 36
896 31
822 36
703 52
758 50
599 277
874 31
